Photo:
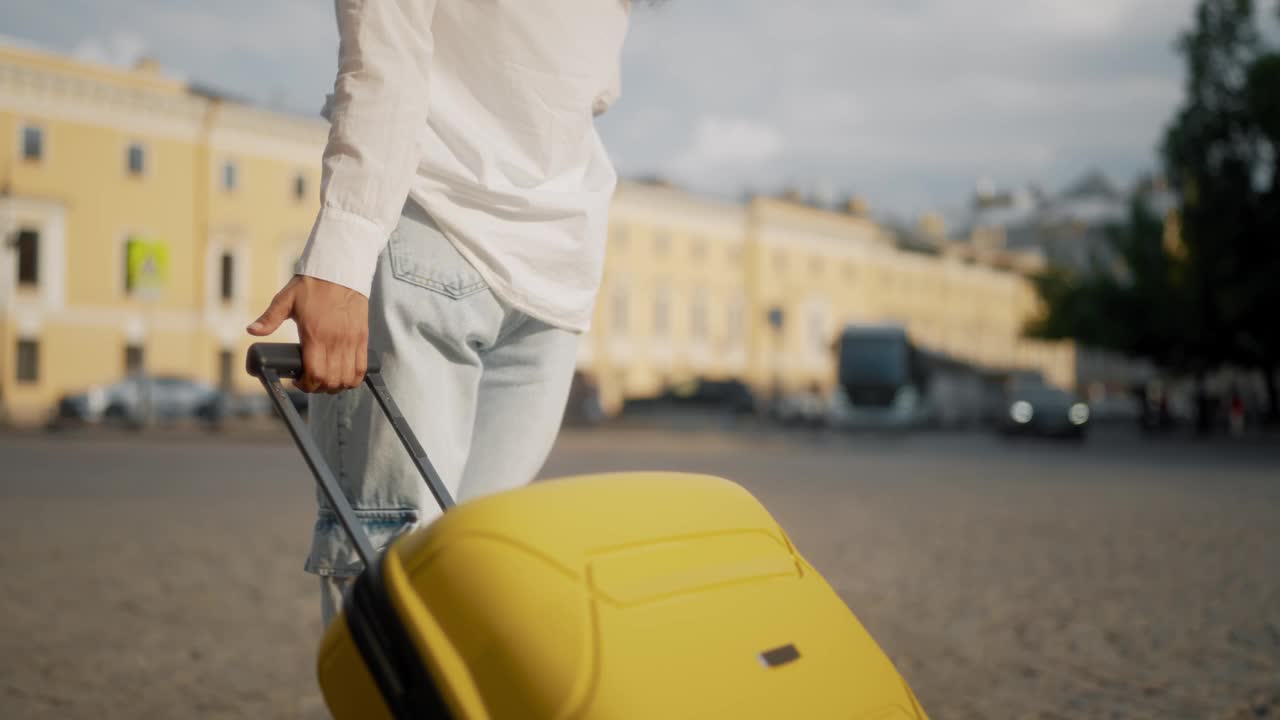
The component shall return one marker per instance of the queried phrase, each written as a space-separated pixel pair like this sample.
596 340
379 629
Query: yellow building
696 288
675 303
147 222
98 165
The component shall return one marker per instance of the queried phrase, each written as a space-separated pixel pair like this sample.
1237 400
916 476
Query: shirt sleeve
377 113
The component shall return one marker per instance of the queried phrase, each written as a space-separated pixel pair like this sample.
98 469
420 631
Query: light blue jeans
482 385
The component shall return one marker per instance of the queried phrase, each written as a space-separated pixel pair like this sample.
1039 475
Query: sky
906 103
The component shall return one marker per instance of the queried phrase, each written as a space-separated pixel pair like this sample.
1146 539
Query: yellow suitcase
628 595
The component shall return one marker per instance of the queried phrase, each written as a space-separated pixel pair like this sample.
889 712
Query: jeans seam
455 290
375 515
512 325
341 441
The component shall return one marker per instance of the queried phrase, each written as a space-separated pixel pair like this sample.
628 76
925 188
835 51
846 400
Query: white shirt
481 111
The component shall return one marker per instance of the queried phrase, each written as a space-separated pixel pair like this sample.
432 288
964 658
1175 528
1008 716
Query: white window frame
662 310
18 340
700 317
238 248
620 311
699 248
18 286
662 241
219 275
736 321
734 253
48 219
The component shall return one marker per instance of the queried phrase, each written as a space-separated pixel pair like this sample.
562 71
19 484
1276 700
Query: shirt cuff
343 249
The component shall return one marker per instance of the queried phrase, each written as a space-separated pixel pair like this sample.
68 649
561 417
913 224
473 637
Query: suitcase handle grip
286 360
269 362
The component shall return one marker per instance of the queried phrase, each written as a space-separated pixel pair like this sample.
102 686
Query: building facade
146 223
701 289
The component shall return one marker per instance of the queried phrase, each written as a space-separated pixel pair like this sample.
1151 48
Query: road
160 575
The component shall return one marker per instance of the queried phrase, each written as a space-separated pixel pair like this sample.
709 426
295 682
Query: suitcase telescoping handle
269 362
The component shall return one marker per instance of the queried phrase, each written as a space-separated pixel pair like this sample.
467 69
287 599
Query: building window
621 311
227 276
28 246
736 321
226 367
662 312
134 358
32 143
735 255
300 187
662 243
230 176
698 317
848 271
28 361
136 159
699 250
779 261
815 266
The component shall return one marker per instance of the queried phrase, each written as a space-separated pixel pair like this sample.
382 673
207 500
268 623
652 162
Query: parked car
139 399
582 407
801 409
1044 411
258 404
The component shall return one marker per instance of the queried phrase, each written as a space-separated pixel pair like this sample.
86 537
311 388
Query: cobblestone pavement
160 575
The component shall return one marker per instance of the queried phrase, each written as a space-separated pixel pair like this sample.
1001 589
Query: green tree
1222 149
1139 308
1212 300
1262 344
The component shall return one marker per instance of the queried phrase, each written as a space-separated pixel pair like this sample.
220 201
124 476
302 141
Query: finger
313 366
335 372
361 359
276 313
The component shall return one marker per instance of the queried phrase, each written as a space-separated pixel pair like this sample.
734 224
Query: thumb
276 313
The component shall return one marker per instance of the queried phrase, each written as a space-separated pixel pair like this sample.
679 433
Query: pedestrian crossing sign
147 265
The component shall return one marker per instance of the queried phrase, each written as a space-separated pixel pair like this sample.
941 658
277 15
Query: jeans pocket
421 255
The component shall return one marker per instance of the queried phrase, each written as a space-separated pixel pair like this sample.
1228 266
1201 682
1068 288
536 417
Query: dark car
1044 411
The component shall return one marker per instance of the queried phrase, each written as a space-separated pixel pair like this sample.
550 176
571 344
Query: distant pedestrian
1237 413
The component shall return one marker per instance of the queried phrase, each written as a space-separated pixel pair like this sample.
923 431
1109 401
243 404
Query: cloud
907 102
279 51
724 144
118 48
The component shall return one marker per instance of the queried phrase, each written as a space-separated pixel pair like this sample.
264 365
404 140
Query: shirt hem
579 324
